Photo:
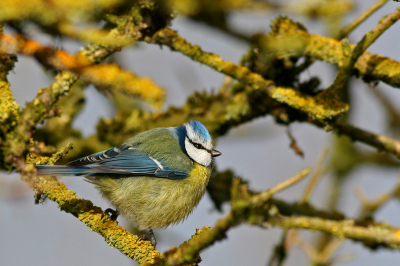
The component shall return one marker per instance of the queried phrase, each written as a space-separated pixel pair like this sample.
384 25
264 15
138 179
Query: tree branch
375 233
381 142
106 76
320 109
94 218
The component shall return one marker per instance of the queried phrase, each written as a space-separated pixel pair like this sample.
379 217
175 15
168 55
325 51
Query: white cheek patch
200 156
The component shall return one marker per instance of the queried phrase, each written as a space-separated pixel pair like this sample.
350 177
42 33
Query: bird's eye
198 146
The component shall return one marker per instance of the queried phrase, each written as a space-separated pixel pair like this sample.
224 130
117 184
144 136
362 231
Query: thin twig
372 35
315 177
262 197
330 248
354 24
393 115
323 257
369 207
281 249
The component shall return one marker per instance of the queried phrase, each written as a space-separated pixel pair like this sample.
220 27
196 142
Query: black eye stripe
197 145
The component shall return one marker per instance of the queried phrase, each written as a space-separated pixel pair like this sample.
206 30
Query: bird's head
197 143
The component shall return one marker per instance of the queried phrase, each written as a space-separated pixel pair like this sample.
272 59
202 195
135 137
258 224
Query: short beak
215 153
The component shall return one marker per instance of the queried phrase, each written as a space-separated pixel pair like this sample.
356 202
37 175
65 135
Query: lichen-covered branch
9 108
269 215
259 210
351 56
381 142
188 251
105 76
17 138
35 10
375 233
93 216
55 129
372 35
15 142
115 235
320 109
64 14
368 66
222 111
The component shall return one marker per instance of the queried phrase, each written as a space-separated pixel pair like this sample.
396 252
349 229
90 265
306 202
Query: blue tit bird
155 179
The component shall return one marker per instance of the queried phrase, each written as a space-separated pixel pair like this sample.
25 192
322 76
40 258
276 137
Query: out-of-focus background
258 151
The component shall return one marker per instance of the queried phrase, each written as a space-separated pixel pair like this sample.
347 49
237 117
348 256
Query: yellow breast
151 202
199 178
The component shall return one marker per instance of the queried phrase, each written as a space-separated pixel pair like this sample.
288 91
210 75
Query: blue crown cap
201 129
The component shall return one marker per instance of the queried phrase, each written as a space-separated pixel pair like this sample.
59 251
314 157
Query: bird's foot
112 213
149 237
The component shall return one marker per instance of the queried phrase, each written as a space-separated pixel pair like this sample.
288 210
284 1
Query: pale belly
151 202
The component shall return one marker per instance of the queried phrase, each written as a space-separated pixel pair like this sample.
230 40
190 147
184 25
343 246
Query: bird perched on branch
155 178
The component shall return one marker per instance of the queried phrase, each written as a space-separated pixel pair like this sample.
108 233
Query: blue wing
125 161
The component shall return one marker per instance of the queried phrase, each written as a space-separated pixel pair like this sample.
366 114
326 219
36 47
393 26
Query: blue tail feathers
59 170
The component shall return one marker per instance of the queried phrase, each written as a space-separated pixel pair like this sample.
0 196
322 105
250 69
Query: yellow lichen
319 108
112 77
8 106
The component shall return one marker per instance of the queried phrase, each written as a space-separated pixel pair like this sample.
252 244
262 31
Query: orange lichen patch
58 59
112 77
108 76
397 234
71 62
28 47
19 44
8 43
